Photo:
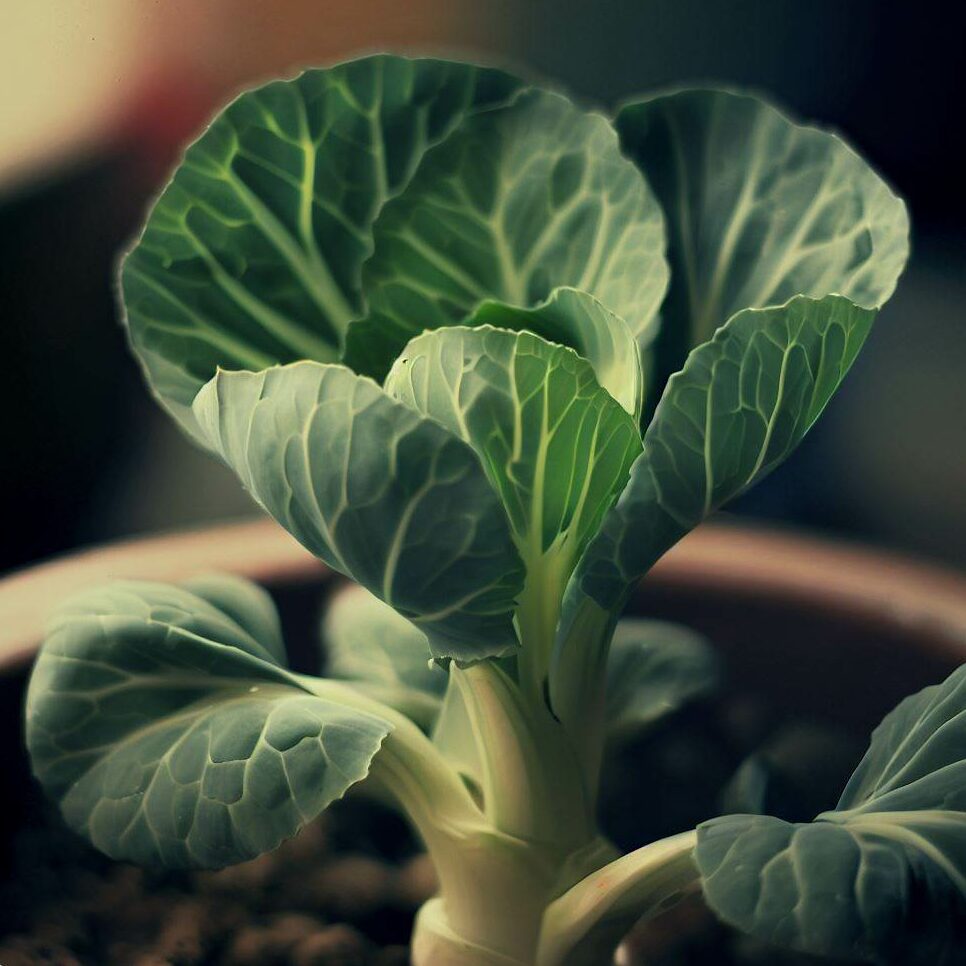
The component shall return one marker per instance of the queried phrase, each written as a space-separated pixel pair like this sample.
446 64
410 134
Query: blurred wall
97 96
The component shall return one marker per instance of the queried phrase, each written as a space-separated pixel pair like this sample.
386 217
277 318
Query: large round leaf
759 209
883 876
378 492
252 254
170 735
517 202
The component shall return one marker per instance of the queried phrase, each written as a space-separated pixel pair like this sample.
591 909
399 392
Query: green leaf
247 604
653 669
750 788
379 493
883 876
554 444
369 643
252 254
759 209
740 406
171 736
518 202
578 320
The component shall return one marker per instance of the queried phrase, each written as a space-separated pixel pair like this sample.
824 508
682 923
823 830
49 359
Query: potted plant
490 357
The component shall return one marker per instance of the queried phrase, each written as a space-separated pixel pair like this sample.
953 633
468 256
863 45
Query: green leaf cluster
489 355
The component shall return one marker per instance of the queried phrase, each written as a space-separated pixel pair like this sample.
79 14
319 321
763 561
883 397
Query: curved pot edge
745 561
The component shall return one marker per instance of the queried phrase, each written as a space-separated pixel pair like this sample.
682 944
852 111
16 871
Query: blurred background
96 96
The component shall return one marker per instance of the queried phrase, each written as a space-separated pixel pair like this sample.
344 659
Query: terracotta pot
830 632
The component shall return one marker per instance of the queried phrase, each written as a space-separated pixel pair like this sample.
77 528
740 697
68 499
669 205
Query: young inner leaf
554 444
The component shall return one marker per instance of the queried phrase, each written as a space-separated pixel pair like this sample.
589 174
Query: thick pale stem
537 617
578 686
495 887
493 898
533 786
586 923
435 943
411 770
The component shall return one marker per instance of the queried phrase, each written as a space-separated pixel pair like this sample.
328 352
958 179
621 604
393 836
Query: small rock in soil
416 881
334 946
271 944
30 951
392 956
350 887
184 934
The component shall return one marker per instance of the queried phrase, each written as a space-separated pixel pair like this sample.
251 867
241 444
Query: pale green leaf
169 735
578 320
883 876
654 668
759 209
369 643
379 493
252 254
555 445
516 203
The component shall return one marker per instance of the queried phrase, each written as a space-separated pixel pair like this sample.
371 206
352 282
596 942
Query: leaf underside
369 643
654 668
741 404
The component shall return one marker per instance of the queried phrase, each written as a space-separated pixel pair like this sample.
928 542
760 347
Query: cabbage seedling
490 355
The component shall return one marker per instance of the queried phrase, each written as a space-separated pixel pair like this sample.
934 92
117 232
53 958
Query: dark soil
342 893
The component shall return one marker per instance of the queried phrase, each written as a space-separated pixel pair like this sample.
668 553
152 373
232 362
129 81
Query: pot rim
738 559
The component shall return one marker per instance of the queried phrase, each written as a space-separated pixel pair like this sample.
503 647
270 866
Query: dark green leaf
170 735
252 255
381 494
883 876
654 668
759 209
740 406
367 642
516 203
246 604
